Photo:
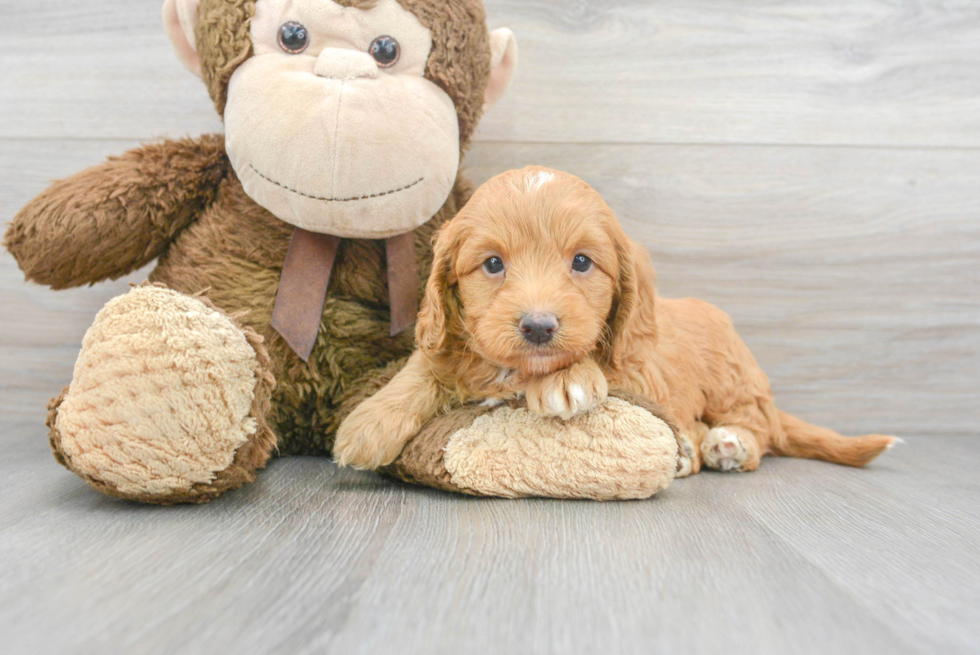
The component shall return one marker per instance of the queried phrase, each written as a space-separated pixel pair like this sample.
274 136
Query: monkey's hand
113 218
568 392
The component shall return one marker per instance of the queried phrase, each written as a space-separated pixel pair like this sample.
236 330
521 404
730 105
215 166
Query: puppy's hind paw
723 450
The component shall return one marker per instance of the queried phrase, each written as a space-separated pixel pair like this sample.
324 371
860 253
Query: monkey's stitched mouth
351 199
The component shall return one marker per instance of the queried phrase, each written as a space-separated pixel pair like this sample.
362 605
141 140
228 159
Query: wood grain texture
870 72
798 557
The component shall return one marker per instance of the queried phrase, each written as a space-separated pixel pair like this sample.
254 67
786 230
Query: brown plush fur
181 201
457 63
236 250
223 43
119 216
612 327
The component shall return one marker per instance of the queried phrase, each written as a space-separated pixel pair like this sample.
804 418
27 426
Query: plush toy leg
624 449
168 402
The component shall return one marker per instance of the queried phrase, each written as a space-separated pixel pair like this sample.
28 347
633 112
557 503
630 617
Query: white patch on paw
723 450
556 403
579 398
577 402
492 402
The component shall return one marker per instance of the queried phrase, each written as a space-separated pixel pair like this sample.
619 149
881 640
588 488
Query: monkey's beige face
331 124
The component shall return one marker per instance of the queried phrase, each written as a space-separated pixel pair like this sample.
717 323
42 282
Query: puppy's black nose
539 328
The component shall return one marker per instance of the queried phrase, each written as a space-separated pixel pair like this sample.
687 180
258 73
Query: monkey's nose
345 64
539 328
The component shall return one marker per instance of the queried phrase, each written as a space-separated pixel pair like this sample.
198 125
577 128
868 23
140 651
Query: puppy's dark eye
581 263
385 51
293 38
494 266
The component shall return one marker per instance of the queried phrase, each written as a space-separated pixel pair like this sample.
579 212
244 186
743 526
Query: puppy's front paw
568 392
370 439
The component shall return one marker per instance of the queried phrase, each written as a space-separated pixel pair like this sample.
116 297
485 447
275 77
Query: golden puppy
535 289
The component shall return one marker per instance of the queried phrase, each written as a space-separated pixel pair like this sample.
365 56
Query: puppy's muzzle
538 328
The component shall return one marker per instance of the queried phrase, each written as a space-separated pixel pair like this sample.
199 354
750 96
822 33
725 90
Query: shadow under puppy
536 290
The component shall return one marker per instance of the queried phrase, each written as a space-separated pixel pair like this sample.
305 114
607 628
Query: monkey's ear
503 63
180 19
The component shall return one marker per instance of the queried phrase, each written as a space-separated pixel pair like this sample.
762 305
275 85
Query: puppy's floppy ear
632 315
441 308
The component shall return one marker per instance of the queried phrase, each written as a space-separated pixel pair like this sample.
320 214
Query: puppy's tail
813 442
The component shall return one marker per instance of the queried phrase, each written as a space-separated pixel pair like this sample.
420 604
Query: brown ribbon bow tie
306 276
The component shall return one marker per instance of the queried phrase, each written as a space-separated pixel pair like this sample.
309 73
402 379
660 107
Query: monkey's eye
581 263
494 266
293 38
385 51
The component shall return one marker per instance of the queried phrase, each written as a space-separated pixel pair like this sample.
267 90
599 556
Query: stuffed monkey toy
291 251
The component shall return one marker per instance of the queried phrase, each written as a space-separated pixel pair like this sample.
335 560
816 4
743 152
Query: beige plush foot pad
167 402
620 450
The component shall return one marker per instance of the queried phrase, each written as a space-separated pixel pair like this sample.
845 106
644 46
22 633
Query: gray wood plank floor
798 557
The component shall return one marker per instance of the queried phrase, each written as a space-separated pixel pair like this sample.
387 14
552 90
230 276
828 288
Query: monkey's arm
113 218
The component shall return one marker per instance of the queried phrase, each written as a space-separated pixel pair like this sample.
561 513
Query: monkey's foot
168 401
